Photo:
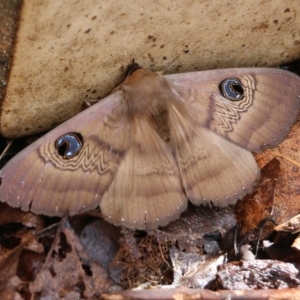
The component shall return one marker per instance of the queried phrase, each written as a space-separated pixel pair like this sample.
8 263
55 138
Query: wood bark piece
195 294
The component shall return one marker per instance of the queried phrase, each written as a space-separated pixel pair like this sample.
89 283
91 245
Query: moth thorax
148 95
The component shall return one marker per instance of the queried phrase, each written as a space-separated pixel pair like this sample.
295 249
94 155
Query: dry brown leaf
286 196
71 272
259 205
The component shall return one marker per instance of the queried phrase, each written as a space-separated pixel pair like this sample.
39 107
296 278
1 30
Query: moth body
155 143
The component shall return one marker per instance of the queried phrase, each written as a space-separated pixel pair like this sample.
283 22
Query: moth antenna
170 66
152 60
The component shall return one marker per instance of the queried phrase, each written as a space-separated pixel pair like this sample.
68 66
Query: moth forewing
154 143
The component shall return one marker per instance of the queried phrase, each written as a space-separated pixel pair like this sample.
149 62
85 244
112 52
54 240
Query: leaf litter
86 258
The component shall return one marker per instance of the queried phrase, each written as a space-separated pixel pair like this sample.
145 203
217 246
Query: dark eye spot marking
69 144
232 89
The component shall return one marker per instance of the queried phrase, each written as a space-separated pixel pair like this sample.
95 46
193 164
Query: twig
285 157
6 149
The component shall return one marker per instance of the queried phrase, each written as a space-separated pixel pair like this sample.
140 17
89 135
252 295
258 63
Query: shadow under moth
155 143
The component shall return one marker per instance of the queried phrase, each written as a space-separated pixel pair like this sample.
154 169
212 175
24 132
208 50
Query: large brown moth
154 143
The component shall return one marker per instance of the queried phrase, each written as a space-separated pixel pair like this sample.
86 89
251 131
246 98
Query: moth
155 143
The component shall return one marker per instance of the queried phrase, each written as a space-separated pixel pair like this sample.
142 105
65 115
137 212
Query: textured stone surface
69 51
9 14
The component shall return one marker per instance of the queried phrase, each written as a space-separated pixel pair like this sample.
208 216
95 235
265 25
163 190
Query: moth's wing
40 179
212 168
147 191
260 120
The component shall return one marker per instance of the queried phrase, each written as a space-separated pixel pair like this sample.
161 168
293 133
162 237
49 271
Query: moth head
68 145
146 92
132 68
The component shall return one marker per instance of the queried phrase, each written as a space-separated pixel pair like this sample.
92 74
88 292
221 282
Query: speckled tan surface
9 15
68 51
